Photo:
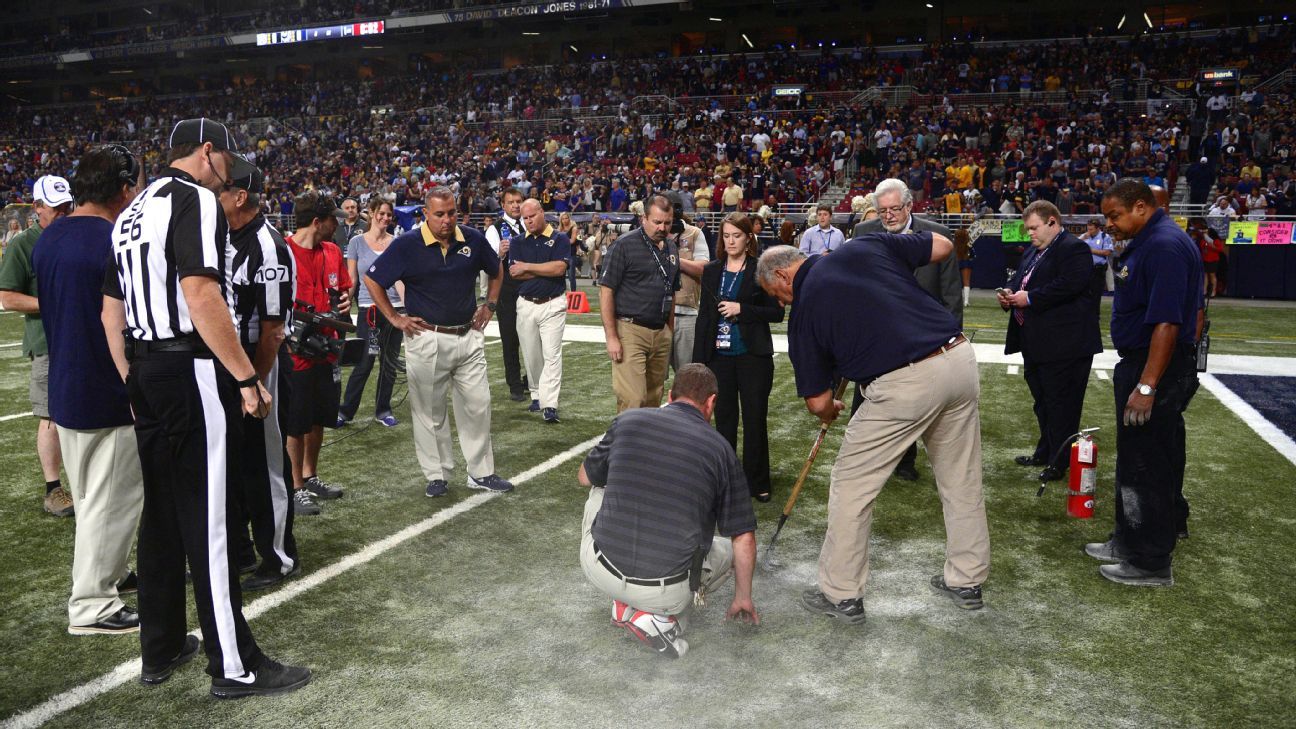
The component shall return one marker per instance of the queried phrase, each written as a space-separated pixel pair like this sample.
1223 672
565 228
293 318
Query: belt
951 344
137 348
660 582
458 331
539 299
641 322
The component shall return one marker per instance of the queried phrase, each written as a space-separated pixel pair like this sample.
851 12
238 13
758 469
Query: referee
189 383
263 284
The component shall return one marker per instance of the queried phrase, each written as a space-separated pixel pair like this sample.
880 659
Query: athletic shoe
518 396
154 675
967 598
659 632
58 503
621 613
1030 460
1105 551
551 415
268 679
534 407
304 504
323 490
129 584
437 487
119 623
341 421
1127 574
263 581
490 483
907 471
388 421
850 611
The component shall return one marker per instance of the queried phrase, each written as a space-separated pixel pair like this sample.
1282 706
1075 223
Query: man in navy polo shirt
445 354
860 314
1154 313
539 259
87 393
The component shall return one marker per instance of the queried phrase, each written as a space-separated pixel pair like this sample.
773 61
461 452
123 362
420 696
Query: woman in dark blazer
733 340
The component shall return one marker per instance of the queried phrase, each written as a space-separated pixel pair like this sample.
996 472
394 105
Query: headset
128 166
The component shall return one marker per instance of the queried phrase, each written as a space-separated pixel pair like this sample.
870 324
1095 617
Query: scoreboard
327 32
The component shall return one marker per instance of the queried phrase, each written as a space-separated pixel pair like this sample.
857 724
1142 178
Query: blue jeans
389 341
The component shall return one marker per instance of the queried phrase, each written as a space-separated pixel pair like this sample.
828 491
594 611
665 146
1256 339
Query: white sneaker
660 632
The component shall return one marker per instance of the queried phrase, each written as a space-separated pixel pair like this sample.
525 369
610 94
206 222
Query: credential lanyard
661 267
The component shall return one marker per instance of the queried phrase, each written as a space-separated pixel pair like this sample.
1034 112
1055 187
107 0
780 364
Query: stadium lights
372 48
930 6
1147 19
120 72
574 49
748 41
146 10
717 20
529 32
1121 24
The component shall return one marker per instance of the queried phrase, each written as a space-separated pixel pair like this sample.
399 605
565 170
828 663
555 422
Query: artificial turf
486 619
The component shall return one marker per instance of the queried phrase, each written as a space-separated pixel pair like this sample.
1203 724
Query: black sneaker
490 483
304 503
1107 551
1127 574
518 396
849 611
268 679
534 407
967 598
907 472
266 580
154 675
551 415
121 622
321 489
437 487
129 584
1030 460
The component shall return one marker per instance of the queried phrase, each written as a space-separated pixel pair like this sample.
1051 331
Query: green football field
471 610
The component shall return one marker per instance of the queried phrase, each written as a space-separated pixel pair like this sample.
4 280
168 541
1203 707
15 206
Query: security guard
188 381
264 278
538 260
445 355
1153 327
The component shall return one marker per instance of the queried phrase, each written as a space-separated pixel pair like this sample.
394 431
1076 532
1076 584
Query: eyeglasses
895 210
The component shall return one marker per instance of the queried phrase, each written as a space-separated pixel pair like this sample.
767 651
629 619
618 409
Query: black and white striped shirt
265 275
174 229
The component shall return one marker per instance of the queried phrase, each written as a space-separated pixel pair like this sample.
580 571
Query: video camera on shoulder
306 339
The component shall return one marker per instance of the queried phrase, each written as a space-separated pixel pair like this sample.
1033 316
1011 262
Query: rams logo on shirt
672 259
550 242
1124 273
466 252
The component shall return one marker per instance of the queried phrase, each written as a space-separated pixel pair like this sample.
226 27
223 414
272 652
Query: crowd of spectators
584 137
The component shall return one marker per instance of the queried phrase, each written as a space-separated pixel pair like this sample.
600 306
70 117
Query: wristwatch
491 306
1145 390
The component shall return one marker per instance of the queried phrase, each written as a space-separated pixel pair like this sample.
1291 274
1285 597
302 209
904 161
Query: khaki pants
540 331
935 399
682 340
638 378
107 488
441 366
662 600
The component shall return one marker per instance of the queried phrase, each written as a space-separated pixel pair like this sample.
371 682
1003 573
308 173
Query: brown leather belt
539 300
458 331
951 344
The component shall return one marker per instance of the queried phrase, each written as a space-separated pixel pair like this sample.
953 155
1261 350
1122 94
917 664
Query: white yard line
1252 417
130 670
1102 374
1012 369
6 418
10 345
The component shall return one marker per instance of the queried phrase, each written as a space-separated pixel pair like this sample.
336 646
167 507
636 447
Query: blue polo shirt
70 260
440 284
1158 281
859 313
546 246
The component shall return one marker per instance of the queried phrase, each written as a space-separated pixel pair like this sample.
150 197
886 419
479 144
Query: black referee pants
187 411
265 492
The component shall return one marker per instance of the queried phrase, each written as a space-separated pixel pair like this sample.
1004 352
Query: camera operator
323 286
693 257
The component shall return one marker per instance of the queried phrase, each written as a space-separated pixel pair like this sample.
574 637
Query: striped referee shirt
174 229
264 280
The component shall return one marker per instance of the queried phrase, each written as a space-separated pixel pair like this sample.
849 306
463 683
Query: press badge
724 336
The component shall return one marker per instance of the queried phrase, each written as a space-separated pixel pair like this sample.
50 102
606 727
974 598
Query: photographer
323 286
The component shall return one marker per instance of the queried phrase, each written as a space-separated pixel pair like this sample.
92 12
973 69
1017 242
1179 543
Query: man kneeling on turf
648 539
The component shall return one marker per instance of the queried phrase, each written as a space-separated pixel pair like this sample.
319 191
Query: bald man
538 260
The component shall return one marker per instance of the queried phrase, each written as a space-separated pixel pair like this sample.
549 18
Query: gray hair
890 185
858 204
776 258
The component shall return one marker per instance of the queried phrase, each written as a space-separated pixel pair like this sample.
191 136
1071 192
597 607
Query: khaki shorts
38 391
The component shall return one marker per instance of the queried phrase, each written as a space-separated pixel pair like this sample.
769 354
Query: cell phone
1003 291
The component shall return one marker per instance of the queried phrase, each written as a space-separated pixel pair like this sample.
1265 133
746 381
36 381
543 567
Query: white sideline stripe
11 344
1102 374
1252 417
14 417
489 342
1012 369
130 670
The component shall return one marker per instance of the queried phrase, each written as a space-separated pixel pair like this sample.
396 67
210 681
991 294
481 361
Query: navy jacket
1062 319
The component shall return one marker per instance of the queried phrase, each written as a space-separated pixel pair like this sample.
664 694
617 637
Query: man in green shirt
18 293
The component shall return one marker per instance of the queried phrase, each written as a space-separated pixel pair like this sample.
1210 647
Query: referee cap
198 131
245 176
52 190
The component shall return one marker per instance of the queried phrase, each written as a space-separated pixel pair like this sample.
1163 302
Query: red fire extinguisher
1084 475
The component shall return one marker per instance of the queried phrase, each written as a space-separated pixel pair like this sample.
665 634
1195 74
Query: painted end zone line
130 670
14 417
1252 417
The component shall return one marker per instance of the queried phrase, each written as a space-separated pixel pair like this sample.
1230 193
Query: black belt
459 330
192 343
641 322
540 299
660 582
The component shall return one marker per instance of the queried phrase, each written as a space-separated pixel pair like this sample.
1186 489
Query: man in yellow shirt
733 195
702 198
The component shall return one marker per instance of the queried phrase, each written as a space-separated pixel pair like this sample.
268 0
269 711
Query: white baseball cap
52 190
